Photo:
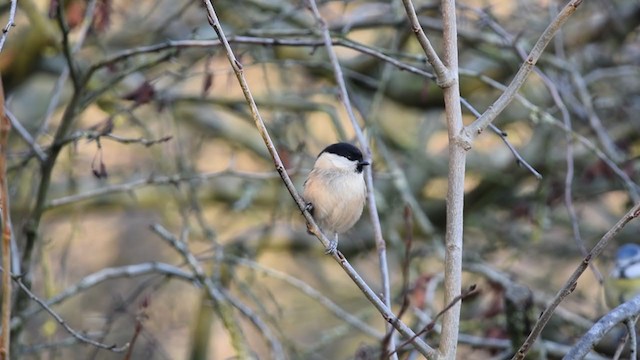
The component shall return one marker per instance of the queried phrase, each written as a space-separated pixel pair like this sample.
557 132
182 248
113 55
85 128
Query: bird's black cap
347 150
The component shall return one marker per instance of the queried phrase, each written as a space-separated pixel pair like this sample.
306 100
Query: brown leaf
75 13
417 291
103 170
142 95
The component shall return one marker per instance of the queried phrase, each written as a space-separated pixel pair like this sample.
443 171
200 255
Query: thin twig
101 276
472 130
66 45
568 182
595 122
140 140
572 282
5 225
444 76
179 44
630 324
153 181
538 114
58 345
566 118
427 328
220 302
24 134
314 294
368 174
277 352
32 222
503 136
87 20
406 262
402 184
424 349
10 23
64 324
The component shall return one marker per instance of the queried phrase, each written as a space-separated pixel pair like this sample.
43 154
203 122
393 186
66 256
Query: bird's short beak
364 163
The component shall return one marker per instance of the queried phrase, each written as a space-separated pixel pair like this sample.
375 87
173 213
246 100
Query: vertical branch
368 174
32 223
455 191
62 79
5 127
449 82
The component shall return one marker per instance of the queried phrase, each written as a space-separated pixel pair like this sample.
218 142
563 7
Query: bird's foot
332 248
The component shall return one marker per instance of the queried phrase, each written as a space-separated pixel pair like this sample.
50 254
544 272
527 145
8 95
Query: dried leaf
142 95
74 12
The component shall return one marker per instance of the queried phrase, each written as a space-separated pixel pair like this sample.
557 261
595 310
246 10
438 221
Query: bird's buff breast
341 204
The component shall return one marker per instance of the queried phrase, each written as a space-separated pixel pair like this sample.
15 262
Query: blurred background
127 115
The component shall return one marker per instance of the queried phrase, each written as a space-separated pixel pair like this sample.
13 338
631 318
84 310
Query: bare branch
313 227
215 294
61 321
153 181
629 309
474 129
62 79
101 276
314 294
10 23
503 136
455 191
276 347
24 134
572 282
179 44
444 76
594 120
539 114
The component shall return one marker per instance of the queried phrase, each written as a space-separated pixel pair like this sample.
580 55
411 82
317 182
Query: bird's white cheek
632 271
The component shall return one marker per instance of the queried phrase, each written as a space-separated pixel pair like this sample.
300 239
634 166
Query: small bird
335 191
624 281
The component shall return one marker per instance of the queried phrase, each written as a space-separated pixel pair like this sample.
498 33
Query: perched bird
624 281
335 191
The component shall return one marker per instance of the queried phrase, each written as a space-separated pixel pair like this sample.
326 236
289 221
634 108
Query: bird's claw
333 246
308 207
